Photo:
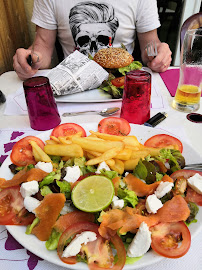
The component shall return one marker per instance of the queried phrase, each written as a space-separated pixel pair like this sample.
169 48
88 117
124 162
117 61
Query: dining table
14 125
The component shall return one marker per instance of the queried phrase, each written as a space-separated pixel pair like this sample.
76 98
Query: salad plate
94 95
37 247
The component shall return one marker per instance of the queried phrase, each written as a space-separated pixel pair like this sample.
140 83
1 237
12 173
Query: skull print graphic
92 25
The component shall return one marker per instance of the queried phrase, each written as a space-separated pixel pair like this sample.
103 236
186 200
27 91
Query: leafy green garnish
109 174
45 190
52 242
55 159
31 226
159 176
134 65
166 154
129 197
65 187
140 170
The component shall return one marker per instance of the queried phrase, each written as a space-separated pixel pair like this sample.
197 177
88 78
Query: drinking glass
136 97
187 97
41 105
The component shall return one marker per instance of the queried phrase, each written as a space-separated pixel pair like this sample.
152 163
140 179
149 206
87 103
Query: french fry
71 150
118 166
63 140
98 146
94 138
152 151
38 153
131 140
124 154
139 154
94 153
50 142
129 165
54 139
105 136
110 162
105 156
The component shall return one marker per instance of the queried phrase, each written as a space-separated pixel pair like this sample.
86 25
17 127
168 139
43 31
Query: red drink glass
42 108
136 97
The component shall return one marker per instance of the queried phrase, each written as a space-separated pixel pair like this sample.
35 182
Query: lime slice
93 194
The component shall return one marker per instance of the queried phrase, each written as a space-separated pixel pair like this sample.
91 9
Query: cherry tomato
164 140
21 154
118 82
114 126
171 240
67 129
12 211
96 250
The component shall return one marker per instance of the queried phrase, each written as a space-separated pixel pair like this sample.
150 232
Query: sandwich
117 61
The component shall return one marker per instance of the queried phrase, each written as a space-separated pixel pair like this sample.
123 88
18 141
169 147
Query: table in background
18 258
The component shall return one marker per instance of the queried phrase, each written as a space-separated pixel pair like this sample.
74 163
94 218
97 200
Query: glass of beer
187 97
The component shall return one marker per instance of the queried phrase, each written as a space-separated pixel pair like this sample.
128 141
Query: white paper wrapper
75 74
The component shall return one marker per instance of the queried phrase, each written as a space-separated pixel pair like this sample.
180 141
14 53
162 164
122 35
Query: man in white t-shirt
88 26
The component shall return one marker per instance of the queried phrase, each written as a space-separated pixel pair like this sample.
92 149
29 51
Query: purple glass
42 108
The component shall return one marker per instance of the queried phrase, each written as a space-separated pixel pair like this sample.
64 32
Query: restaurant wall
13 31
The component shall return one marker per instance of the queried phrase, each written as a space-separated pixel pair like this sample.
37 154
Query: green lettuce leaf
52 242
129 197
132 66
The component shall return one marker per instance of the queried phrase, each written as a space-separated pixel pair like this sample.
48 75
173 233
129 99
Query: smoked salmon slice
127 219
48 212
23 176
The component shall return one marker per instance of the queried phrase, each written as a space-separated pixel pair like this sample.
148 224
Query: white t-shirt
87 25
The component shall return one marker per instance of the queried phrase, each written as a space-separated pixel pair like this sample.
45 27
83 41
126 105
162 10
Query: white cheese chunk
195 182
31 203
117 203
153 204
44 166
141 242
29 188
75 246
101 166
163 188
67 208
72 174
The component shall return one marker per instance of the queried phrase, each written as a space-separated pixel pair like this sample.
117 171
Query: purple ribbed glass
41 105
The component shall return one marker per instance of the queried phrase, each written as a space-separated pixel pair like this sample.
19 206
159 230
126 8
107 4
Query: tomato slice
114 126
184 173
164 140
191 195
67 129
171 240
21 154
118 82
95 249
12 211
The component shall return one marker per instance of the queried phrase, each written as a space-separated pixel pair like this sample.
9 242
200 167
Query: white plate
37 247
94 95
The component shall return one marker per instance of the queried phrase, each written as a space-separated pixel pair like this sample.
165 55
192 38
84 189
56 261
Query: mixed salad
104 208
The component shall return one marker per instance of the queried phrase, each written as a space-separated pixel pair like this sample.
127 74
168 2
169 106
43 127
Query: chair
193 22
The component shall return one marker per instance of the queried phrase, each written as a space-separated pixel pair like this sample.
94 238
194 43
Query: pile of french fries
121 153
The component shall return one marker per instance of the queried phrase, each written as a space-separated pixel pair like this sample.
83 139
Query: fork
196 166
151 48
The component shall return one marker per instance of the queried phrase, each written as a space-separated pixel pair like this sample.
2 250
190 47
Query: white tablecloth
12 128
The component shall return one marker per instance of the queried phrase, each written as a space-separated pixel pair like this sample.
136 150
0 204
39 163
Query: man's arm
162 61
43 49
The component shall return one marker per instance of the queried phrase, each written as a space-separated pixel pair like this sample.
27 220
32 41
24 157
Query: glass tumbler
136 97
187 97
41 105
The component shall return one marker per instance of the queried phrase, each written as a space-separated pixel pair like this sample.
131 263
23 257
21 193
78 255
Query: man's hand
162 61
20 65
44 44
